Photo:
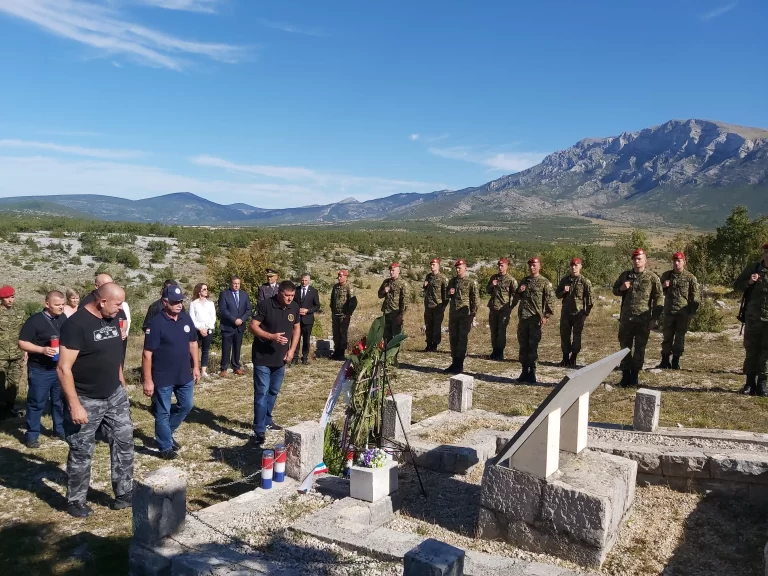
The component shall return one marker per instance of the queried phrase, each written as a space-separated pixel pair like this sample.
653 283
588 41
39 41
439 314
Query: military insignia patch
290 317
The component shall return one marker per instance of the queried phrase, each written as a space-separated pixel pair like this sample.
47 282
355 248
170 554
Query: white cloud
74 150
78 133
208 6
415 137
717 12
502 161
293 28
110 33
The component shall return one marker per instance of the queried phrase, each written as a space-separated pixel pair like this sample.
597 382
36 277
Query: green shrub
31 308
127 258
707 319
76 260
28 267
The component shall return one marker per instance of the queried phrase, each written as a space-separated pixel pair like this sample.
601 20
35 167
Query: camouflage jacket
396 300
757 298
464 297
642 297
579 296
11 321
502 293
343 299
536 299
435 290
681 294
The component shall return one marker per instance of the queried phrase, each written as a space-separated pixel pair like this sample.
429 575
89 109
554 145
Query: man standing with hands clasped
170 347
435 300
501 288
395 293
576 293
462 292
234 311
309 302
276 328
681 301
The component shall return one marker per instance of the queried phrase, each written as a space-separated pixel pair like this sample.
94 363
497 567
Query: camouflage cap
460 262
7 291
678 256
575 261
343 273
435 261
534 260
638 252
502 260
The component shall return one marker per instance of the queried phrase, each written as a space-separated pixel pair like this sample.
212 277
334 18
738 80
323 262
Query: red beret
534 260
503 260
394 265
435 261
638 252
678 256
460 262
7 291
765 246
343 273
575 260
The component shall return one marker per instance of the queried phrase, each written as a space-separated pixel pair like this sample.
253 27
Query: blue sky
285 103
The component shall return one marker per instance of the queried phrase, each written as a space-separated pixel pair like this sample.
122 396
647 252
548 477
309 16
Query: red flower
350 371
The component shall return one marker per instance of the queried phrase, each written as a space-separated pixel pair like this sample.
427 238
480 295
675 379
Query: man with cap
681 301
157 306
270 287
576 293
234 311
501 288
435 300
753 281
170 349
537 303
11 356
640 290
462 294
394 290
343 304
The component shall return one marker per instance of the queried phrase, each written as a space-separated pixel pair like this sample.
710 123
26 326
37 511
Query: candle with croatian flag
267 462
280 462
349 462
55 346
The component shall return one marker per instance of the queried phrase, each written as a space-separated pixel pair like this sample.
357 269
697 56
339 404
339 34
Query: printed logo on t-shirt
186 328
105 333
290 317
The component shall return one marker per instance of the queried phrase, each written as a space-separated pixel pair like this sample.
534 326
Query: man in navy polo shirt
277 329
170 347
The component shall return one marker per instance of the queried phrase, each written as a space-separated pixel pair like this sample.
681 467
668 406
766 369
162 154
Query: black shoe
295 361
572 360
523 374
34 444
168 454
761 391
175 445
459 369
79 509
275 427
531 378
304 361
626 378
634 375
256 439
664 362
675 362
565 362
452 368
749 387
428 348
122 502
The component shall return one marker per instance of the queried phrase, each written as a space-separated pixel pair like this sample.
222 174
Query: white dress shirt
203 313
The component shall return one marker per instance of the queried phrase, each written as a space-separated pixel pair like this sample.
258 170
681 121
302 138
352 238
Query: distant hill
681 172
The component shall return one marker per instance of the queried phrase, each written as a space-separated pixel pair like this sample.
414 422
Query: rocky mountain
681 172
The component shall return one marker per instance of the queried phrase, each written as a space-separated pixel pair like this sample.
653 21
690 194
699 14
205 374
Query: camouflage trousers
633 334
10 376
391 327
674 327
528 338
571 327
459 325
756 346
433 321
340 329
113 414
498 320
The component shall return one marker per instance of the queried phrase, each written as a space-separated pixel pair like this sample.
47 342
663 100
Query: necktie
237 299
303 293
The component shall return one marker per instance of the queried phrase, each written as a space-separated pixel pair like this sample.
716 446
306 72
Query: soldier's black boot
523 374
565 361
634 375
664 362
452 368
459 365
626 378
675 362
500 354
749 387
572 360
531 378
494 354
761 391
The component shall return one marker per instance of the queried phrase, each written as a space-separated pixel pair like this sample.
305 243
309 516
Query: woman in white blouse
203 314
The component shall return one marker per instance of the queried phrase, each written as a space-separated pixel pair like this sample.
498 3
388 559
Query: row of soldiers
640 290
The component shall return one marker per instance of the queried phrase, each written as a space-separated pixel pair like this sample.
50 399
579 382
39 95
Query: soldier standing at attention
501 288
640 290
537 304
343 304
394 290
681 301
435 301
462 292
753 281
576 293
11 356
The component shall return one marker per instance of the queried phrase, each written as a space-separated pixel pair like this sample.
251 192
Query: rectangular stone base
575 514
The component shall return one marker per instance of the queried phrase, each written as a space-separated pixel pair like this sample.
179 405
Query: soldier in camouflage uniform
435 300
11 356
576 293
537 303
394 290
501 288
681 301
343 304
753 281
640 290
462 292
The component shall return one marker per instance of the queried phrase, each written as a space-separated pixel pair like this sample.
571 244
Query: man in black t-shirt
39 339
91 374
99 281
276 327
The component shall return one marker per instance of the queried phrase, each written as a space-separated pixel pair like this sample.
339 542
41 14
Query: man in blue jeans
170 348
38 338
276 328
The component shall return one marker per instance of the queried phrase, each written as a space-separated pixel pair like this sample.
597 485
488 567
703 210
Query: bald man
123 314
90 370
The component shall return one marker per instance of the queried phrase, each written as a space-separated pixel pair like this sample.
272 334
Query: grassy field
39 538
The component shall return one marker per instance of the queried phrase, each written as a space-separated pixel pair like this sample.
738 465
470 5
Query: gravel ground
627 437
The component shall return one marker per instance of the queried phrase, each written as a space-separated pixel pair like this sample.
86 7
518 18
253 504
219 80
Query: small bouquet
373 458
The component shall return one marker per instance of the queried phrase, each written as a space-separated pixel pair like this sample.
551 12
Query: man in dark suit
309 302
234 315
269 288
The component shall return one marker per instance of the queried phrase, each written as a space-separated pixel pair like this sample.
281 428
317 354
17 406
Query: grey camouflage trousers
113 414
